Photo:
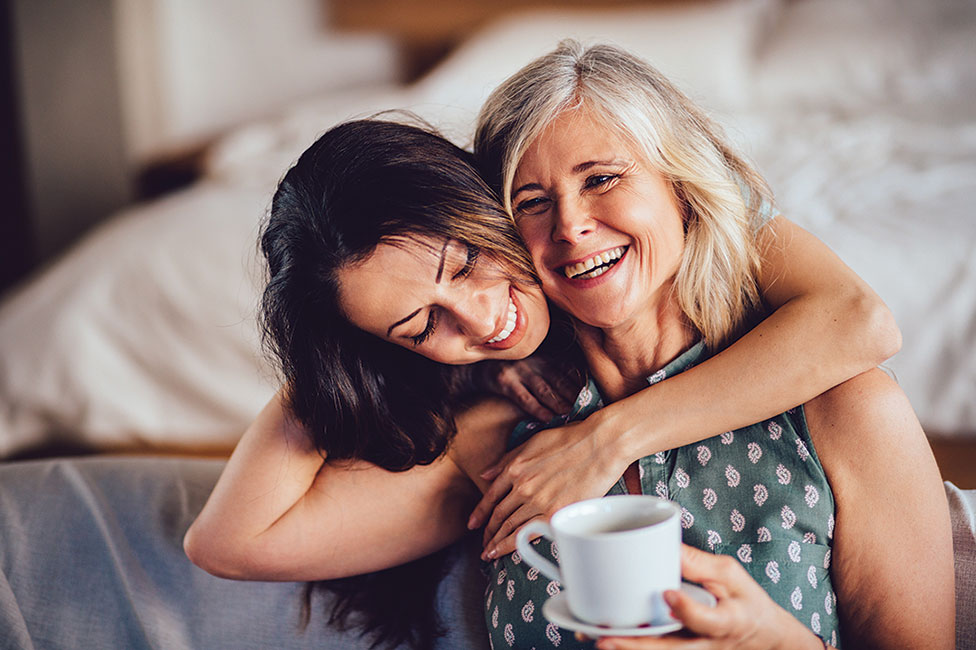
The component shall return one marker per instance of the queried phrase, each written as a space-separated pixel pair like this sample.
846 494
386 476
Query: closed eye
469 264
431 326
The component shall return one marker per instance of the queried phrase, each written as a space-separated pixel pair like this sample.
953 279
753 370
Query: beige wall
190 68
74 152
106 86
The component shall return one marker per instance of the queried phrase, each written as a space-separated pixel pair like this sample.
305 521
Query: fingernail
492 553
472 523
671 598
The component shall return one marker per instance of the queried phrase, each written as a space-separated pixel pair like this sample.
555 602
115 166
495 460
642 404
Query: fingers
706 568
491 473
529 403
547 395
701 619
640 643
507 545
509 528
500 524
499 487
568 390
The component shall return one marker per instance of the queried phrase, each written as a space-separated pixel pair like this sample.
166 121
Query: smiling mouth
512 319
595 266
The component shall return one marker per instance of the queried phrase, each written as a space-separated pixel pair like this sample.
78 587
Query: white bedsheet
144 335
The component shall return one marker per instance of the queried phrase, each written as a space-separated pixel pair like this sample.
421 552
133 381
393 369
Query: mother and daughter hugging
606 261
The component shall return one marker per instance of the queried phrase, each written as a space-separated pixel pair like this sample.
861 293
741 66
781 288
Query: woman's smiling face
603 227
443 300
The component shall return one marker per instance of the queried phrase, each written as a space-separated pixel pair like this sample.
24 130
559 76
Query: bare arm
280 512
892 563
827 327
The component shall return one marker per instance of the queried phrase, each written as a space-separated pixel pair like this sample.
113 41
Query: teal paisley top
758 494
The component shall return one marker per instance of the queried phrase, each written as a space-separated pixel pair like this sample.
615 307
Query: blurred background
109 101
140 142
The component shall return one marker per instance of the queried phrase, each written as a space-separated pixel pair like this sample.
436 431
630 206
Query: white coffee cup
617 556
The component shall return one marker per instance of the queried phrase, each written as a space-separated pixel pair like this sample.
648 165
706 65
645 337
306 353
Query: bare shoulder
888 494
482 434
867 414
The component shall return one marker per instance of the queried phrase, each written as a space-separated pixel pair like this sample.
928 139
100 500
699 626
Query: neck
622 357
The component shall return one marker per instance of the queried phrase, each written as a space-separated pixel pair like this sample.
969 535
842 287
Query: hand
552 469
745 617
537 387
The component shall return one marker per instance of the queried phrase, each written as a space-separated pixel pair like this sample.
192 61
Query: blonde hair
722 196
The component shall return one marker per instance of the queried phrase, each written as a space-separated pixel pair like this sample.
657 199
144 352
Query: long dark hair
360 184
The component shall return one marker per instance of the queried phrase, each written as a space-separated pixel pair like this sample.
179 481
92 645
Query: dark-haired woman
383 241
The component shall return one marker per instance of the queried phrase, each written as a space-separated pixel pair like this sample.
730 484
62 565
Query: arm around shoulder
280 511
892 562
800 271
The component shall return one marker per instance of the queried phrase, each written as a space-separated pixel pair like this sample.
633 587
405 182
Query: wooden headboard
429 29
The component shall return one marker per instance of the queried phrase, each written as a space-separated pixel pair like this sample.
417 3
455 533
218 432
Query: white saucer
556 609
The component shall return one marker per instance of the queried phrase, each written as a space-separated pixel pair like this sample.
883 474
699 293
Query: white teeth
581 270
509 324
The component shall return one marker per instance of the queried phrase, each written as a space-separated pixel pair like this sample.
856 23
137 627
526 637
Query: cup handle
530 555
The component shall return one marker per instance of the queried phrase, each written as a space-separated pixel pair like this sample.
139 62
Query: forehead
574 136
395 275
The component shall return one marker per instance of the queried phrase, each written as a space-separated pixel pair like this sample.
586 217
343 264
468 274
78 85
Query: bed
143 338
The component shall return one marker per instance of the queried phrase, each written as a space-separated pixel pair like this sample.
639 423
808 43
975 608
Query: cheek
533 233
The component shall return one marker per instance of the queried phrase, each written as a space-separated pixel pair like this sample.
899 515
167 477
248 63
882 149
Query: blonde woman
598 157
382 242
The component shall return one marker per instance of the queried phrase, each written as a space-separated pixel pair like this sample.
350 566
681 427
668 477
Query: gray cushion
91 556
962 506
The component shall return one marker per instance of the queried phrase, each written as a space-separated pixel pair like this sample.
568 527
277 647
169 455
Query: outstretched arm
281 512
826 326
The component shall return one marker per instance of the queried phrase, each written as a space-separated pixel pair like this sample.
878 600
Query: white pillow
143 336
706 48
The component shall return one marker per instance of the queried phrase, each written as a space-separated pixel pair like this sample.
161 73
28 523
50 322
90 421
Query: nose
476 313
571 221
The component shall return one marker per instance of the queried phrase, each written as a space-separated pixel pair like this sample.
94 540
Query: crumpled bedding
91 557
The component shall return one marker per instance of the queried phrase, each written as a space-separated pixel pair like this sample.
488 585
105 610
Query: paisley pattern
758 494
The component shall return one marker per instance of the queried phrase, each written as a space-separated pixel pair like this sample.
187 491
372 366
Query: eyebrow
400 322
582 167
440 267
437 280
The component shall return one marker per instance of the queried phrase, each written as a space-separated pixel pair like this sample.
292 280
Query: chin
595 314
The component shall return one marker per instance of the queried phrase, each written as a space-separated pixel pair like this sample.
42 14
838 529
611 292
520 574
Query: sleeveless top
758 493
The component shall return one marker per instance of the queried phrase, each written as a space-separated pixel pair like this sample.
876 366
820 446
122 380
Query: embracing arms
826 326
281 512
891 562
